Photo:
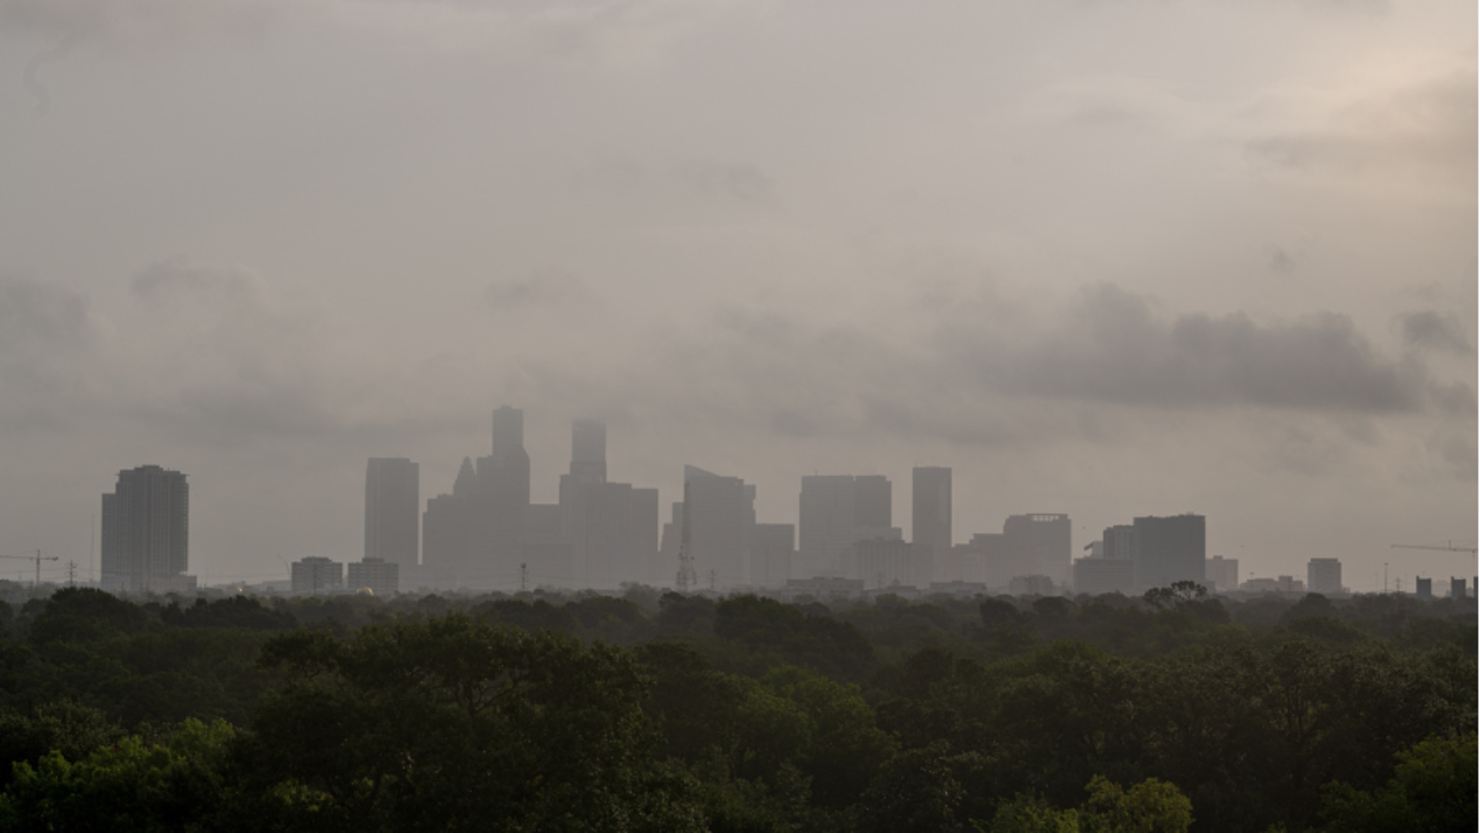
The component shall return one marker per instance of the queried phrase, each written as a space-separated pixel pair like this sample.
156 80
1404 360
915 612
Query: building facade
380 577
1169 550
146 532
317 576
931 514
1323 575
392 510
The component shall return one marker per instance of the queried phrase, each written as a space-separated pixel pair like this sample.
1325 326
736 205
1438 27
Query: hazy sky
1103 257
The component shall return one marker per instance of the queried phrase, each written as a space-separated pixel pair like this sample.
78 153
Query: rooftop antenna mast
686 577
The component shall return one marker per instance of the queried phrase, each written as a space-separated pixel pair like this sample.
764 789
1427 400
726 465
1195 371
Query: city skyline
1109 259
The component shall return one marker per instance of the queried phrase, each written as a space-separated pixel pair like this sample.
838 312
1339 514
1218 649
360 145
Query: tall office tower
720 514
772 547
392 510
671 543
1169 550
1221 574
1323 575
504 482
146 532
1457 588
1029 545
452 545
612 527
837 511
931 500
1040 545
588 450
873 502
1119 541
826 523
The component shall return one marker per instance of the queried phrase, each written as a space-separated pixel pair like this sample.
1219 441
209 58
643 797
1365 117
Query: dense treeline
658 711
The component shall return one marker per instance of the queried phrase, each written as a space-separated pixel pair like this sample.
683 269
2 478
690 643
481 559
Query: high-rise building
931 502
720 514
889 562
146 532
873 502
380 577
317 575
1119 542
505 486
588 450
1096 576
772 547
1222 574
1323 575
392 510
453 531
612 527
1170 550
1029 545
837 511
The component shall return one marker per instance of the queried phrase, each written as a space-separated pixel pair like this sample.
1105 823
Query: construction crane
1449 547
38 558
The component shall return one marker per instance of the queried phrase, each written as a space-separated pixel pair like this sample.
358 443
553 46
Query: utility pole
71 573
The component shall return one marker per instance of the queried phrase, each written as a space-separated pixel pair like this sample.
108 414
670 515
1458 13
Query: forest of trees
655 711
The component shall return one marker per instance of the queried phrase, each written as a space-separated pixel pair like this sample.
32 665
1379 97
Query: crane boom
1450 547
38 558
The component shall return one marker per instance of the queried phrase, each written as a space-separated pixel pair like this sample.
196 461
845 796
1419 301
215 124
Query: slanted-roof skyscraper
146 532
392 510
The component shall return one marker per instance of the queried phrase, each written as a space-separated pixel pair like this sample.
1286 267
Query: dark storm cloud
1112 347
1431 330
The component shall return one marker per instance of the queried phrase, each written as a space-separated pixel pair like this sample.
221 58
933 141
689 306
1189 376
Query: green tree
127 787
454 723
1433 790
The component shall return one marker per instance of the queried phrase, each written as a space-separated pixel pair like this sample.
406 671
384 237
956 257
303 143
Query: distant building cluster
487 534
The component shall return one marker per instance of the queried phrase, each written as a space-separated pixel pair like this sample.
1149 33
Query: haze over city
1105 259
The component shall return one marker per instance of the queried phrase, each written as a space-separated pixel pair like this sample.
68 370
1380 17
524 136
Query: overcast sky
1102 257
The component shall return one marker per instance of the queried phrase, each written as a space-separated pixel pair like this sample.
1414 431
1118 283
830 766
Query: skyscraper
931 500
505 487
1169 550
146 532
826 520
720 513
452 535
612 527
588 450
392 509
1323 575
837 511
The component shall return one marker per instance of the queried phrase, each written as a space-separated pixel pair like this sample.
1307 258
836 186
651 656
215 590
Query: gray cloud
1112 347
1435 331
1429 125
739 182
543 288
48 344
